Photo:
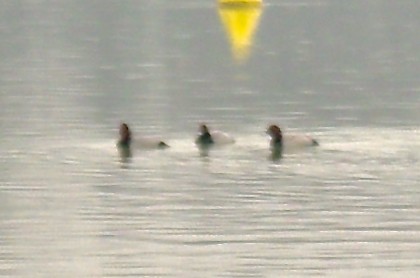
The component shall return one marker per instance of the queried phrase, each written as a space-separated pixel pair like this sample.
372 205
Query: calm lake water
345 72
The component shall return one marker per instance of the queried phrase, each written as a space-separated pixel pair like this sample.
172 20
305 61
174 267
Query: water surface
345 73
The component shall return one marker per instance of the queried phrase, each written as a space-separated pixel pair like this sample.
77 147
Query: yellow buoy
240 19
240 2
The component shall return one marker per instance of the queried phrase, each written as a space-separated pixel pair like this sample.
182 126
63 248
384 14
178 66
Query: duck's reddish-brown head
274 131
203 129
125 133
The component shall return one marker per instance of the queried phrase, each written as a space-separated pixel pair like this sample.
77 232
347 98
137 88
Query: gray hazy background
347 72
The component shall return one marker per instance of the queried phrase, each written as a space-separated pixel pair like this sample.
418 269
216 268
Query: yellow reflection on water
240 19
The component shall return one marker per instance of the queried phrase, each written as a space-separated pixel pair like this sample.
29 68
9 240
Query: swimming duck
126 141
206 139
125 136
280 141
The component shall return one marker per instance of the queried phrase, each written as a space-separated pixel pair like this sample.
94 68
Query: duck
126 142
280 141
125 136
206 138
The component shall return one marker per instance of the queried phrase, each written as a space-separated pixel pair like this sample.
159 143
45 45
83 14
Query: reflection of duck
126 142
206 139
280 141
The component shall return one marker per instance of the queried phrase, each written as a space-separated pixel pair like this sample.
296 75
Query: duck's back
148 143
298 141
222 138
